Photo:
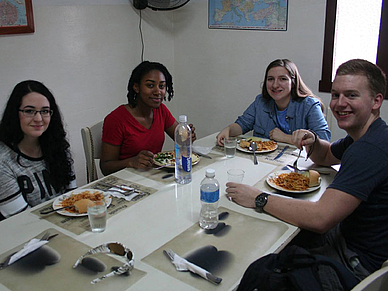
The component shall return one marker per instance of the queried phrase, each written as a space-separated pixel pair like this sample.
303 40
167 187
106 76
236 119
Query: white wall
224 69
85 54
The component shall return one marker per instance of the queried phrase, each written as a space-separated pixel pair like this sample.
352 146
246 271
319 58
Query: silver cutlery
47 236
54 210
166 165
202 155
125 190
253 148
295 164
281 153
322 171
193 268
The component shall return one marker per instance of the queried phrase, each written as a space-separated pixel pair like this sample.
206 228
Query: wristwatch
261 200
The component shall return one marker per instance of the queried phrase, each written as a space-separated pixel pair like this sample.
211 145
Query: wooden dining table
165 217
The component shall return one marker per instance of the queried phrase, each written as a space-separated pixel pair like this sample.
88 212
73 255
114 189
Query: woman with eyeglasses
36 163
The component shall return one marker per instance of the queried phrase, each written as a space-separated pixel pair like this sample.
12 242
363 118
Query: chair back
91 139
377 281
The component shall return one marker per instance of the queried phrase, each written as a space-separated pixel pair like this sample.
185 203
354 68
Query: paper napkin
29 247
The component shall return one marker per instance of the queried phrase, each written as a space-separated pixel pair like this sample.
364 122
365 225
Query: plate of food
289 181
167 159
263 145
79 199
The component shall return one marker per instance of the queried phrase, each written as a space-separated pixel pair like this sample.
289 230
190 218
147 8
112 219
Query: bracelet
312 146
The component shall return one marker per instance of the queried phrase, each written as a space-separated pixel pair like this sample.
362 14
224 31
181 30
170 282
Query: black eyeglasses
32 112
115 248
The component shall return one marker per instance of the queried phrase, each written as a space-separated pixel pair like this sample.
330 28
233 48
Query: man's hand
242 194
303 137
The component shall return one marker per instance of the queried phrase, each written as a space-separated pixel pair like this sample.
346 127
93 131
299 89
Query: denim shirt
302 113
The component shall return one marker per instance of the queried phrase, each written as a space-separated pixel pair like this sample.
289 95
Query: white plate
57 202
254 138
273 185
194 160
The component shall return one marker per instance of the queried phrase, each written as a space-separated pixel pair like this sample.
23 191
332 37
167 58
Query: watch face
261 200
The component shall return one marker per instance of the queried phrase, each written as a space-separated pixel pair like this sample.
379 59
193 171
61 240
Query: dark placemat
78 225
29 273
226 251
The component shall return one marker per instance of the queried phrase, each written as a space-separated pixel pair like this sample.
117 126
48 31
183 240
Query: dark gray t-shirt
364 174
24 181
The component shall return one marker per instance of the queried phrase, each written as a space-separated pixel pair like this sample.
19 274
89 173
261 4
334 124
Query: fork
295 164
126 190
166 165
6 261
192 268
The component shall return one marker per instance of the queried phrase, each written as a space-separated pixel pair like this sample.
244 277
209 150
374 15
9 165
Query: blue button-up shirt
302 113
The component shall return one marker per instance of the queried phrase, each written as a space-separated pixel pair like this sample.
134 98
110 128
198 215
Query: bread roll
81 205
314 178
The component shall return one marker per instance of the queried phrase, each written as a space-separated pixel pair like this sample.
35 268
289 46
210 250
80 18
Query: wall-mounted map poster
248 14
16 16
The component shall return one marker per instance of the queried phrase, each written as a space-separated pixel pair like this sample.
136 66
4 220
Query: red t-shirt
122 129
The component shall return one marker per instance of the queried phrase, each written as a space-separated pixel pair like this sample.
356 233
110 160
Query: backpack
296 269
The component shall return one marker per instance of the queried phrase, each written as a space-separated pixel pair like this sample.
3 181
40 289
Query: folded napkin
202 150
182 264
121 193
29 247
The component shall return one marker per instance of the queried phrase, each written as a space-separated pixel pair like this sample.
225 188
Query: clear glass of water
230 145
97 212
236 175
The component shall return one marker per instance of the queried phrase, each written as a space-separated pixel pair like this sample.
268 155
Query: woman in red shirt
134 132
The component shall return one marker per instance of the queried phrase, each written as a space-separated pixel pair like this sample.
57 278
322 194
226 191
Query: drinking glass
236 175
230 145
97 212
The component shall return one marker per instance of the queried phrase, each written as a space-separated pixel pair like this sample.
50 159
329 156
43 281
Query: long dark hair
299 88
54 145
137 74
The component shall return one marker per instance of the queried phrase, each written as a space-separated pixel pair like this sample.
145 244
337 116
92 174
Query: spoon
253 148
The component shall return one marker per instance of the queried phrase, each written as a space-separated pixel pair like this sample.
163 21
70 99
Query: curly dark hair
138 73
299 88
53 142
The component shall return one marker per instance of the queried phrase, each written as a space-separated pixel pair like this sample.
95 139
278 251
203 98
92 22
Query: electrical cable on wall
142 40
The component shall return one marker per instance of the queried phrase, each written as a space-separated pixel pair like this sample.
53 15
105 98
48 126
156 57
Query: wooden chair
91 138
377 281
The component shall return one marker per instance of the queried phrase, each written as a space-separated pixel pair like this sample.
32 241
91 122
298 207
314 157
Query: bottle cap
210 173
182 118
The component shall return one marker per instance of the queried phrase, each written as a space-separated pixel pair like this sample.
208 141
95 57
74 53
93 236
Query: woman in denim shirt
285 105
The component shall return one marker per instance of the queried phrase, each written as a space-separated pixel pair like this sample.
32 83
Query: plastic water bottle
183 151
210 194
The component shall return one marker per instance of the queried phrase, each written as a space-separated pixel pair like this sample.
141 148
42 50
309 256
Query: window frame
328 45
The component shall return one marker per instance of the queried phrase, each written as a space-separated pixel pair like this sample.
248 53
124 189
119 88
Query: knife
54 210
202 155
281 153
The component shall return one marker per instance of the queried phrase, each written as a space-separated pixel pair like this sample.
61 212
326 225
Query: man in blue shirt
352 214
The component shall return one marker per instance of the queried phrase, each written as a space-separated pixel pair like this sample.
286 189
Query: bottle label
210 197
177 152
186 164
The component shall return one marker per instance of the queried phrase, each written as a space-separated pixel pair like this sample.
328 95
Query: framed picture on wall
16 17
248 14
